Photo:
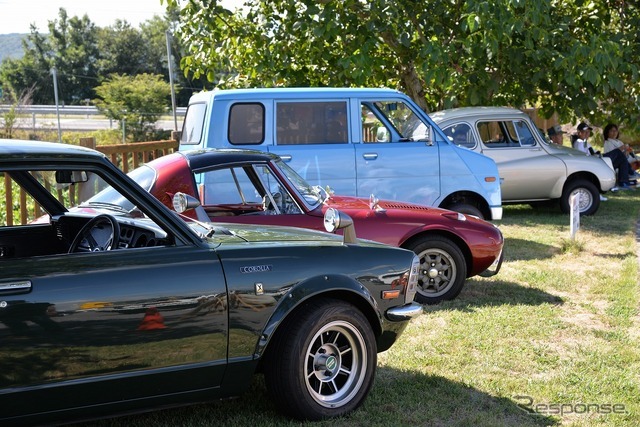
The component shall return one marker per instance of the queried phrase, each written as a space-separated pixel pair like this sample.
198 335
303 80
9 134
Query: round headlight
331 220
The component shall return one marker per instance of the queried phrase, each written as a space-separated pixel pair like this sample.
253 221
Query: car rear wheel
589 197
443 269
322 363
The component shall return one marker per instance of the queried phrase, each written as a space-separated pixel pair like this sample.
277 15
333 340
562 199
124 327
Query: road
82 123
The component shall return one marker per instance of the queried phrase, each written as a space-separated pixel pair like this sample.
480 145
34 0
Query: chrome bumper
495 267
406 312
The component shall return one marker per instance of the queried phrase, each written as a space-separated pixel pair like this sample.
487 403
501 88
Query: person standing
618 159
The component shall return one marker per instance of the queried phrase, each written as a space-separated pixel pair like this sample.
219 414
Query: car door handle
285 157
370 156
15 287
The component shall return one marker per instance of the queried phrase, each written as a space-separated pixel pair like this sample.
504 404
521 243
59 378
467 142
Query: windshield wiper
104 205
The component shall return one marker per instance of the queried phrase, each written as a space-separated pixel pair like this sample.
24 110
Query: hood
227 232
346 203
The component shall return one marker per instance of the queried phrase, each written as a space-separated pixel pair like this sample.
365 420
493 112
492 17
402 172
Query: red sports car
244 186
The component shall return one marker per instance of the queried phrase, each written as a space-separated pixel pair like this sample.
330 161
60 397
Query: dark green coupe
104 311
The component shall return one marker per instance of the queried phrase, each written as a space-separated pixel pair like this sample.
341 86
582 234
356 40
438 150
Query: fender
325 285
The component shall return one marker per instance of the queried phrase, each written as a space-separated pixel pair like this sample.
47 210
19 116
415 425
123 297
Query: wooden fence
125 156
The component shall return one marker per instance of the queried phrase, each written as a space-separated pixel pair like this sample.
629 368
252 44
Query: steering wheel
101 233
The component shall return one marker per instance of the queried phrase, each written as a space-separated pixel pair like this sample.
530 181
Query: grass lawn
557 333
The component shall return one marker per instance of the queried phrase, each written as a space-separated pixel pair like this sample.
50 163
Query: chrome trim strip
15 286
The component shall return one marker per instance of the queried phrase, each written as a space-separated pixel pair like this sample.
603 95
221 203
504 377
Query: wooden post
88 142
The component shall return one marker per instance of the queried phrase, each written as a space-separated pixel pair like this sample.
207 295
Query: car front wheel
589 197
322 364
443 269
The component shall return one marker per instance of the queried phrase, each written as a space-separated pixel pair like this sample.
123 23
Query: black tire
443 269
589 196
465 209
322 361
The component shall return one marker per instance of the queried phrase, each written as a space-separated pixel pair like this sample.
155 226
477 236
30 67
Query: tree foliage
137 101
577 58
84 55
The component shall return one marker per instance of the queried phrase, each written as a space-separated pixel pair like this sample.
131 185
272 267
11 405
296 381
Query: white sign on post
574 202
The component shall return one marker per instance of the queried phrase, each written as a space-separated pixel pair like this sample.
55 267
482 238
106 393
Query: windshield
313 196
144 176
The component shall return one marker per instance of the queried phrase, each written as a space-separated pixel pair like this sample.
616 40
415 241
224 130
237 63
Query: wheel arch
583 175
466 252
339 287
469 198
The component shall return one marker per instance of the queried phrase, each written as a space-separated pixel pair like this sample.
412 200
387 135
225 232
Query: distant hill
11 45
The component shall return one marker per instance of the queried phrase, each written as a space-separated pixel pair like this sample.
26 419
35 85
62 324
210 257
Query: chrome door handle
285 157
17 287
370 156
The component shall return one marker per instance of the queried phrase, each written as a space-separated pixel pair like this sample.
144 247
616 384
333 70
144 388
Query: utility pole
55 95
173 91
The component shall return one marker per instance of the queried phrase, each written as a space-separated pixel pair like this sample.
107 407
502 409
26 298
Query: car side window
461 135
523 134
246 124
229 186
502 134
311 123
494 134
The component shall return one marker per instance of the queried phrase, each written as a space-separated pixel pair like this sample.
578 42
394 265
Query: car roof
23 149
473 112
211 157
294 93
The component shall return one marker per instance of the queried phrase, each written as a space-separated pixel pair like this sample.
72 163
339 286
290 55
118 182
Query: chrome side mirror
336 220
183 202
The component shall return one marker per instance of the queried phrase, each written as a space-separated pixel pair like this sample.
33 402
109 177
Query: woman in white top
611 142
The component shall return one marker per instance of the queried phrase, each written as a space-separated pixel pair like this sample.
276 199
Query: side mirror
336 220
382 134
183 202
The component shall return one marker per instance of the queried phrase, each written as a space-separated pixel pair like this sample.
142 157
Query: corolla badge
256 268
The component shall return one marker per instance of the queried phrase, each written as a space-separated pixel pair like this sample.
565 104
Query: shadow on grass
523 250
398 398
492 293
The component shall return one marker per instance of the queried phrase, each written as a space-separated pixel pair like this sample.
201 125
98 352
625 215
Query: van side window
373 130
246 124
193 124
401 124
311 123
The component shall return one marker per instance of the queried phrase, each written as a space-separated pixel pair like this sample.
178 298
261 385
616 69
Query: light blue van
356 141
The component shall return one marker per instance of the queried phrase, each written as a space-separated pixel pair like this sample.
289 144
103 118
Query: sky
17 15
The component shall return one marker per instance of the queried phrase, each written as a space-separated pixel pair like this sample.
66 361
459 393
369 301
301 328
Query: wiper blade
103 205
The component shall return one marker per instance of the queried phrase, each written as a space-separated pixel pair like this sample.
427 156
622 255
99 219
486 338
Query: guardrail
66 110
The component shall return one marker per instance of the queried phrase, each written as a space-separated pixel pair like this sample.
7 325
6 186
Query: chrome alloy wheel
336 364
437 272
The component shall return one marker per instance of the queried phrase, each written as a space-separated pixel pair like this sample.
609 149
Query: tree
138 101
71 48
573 57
